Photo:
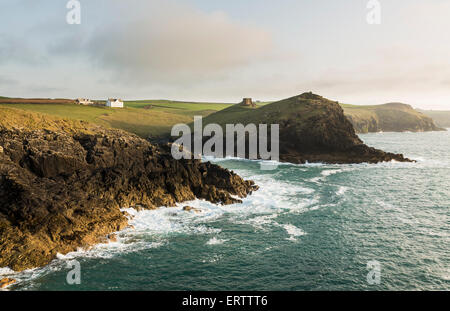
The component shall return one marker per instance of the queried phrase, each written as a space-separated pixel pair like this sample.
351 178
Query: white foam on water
215 241
31 274
430 163
259 210
273 199
326 173
260 223
321 206
5 272
293 232
342 190
166 221
336 168
104 250
212 259
268 163
108 250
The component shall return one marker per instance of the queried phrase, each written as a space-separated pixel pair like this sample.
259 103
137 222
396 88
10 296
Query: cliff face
312 129
62 184
393 117
441 117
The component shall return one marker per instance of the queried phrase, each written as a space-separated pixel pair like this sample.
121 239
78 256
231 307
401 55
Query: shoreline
77 177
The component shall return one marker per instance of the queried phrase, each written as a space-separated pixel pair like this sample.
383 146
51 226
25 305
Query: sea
309 227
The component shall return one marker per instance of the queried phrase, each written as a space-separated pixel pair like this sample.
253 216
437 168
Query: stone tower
248 102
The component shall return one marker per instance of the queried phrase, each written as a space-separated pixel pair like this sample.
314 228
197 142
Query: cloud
171 43
182 50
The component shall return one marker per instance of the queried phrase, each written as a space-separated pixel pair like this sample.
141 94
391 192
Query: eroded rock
191 209
5 282
61 189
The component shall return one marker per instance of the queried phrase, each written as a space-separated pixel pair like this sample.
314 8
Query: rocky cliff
62 184
440 117
312 129
393 117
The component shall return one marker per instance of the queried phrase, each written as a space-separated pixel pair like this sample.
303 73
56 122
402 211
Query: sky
217 50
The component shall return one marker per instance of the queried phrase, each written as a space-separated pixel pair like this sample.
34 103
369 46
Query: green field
156 117
177 106
299 108
144 118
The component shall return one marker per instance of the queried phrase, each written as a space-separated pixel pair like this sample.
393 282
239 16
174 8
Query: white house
84 101
114 103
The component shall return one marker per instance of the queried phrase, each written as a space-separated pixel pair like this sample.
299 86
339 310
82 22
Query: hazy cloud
171 43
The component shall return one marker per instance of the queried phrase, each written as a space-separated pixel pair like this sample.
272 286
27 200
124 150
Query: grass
177 107
18 118
156 117
144 118
153 117
298 107
71 111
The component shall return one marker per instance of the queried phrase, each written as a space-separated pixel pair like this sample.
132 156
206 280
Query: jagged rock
191 209
62 185
6 282
112 238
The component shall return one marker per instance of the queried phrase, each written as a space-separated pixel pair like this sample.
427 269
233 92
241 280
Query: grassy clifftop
13 118
144 118
392 117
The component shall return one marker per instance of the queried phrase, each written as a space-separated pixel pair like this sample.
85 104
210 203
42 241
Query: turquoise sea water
309 227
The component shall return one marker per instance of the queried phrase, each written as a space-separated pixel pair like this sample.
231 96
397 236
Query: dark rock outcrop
63 188
5 282
191 209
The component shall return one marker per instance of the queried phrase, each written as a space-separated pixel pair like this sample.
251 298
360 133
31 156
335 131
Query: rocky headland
392 117
312 129
440 117
63 184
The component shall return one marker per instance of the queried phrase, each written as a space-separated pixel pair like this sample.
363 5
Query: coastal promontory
311 129
392 117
